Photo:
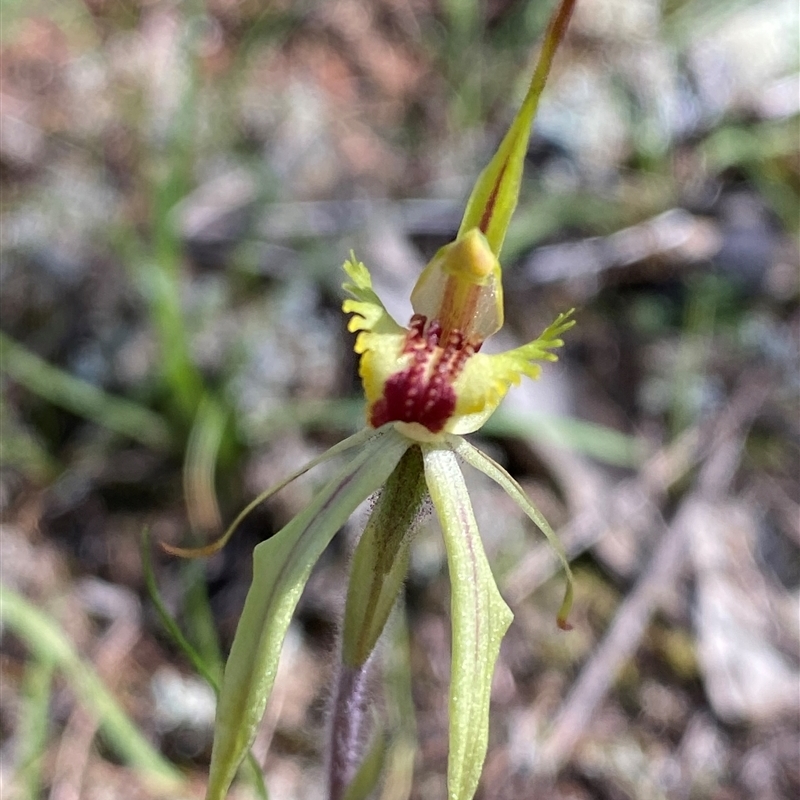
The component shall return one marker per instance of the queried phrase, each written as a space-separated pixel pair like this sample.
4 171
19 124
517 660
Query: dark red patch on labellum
423 392
407 399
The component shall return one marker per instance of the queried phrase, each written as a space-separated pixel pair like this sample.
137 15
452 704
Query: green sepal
480 461
480 620
356 440
496 191
281 567
381 559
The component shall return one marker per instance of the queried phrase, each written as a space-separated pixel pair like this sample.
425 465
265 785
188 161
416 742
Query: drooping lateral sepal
350 443
281 567
480 461
480 619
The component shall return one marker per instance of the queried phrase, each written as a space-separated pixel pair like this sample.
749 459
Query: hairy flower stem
349 729
380 564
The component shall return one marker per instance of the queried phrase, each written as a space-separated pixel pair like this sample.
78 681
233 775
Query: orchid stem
349 726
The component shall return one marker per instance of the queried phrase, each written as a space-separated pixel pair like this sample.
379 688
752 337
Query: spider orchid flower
426 384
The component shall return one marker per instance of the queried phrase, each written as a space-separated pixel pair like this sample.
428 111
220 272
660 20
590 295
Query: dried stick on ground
634 504
658 578
618 646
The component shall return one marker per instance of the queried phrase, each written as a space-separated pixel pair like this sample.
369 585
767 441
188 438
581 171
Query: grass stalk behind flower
49 644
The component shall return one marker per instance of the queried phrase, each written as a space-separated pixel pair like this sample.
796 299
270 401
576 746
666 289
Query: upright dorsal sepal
495 194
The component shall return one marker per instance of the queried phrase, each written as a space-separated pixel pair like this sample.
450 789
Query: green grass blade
22 450
34 718
598 441
82 398
47 641
199 487
170 625
163 270
195 659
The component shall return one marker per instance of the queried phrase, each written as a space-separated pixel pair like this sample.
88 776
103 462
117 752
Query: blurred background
181 182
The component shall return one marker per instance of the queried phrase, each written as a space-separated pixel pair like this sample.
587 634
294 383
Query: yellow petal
486 379
369 313
380 339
